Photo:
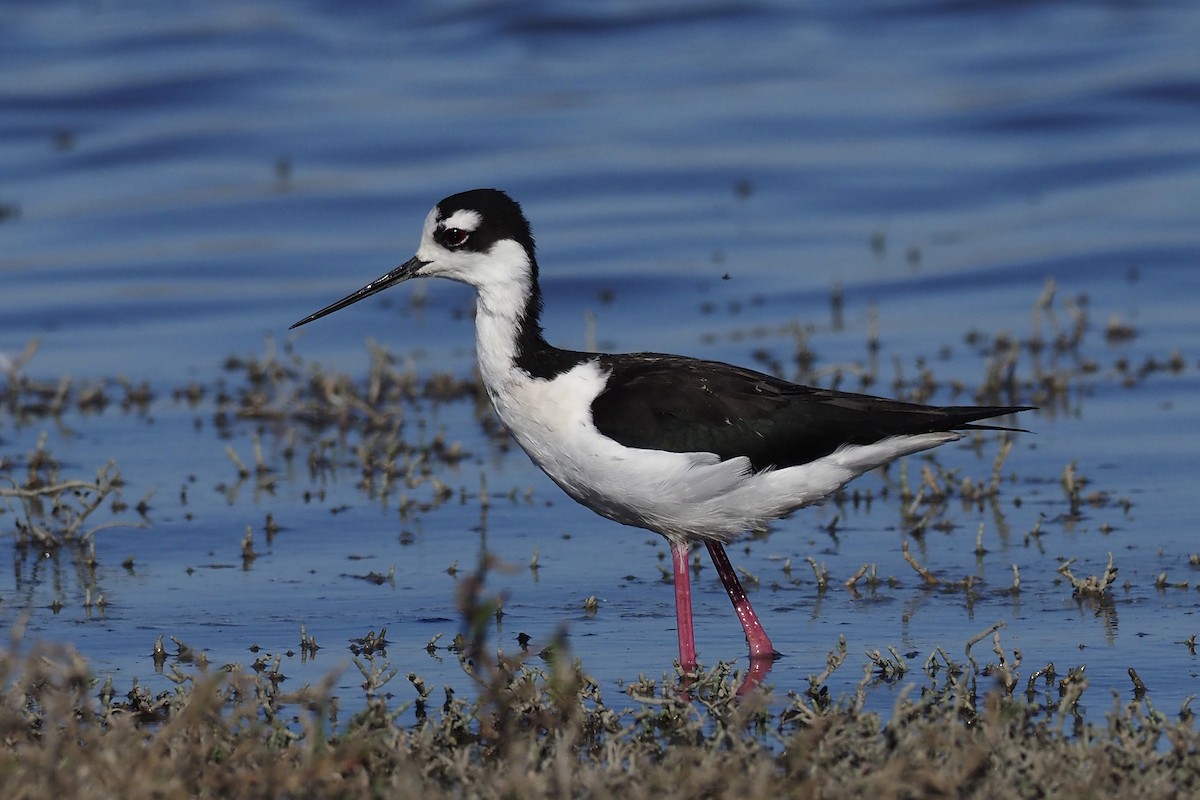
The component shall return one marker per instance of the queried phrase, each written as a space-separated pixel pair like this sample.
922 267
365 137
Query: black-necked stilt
698 451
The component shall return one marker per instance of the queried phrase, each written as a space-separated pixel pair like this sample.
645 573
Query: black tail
960 418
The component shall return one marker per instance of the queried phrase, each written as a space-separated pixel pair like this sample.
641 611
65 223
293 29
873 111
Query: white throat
503 288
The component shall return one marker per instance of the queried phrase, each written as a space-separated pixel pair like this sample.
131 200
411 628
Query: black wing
685 405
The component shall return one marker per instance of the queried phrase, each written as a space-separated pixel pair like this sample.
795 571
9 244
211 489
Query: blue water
179 185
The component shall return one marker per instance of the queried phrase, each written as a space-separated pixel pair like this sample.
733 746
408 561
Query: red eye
454 237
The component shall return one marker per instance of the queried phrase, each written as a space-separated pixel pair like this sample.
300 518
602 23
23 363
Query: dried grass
533 734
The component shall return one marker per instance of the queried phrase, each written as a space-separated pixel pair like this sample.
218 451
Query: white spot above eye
464 219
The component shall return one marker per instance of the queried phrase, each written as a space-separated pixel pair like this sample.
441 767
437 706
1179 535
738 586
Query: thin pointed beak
400 274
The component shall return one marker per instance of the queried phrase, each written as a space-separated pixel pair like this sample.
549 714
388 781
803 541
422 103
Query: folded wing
687 405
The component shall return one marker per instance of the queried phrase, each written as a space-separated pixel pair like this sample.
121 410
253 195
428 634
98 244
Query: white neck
500 305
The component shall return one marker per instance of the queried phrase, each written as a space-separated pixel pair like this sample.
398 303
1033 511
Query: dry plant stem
243 471
928 577
853 579
833 660
1006 446
70 502
820 573
1092 585
976 639
44 491
979 637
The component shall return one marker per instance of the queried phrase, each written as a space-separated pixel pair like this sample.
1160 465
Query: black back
685 405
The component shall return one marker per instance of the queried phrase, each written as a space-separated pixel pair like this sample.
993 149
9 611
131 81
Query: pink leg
760 643
683 606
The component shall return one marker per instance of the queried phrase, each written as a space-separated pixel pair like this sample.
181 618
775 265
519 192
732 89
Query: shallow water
177 187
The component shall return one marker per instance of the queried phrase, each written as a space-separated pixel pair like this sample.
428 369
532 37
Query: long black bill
401 273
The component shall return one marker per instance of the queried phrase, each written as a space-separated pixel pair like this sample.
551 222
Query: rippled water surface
177 186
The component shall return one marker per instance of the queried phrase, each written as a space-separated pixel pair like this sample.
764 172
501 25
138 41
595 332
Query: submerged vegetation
961 728
970 720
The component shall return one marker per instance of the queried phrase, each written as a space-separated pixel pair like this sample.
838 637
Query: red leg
683 606
756 637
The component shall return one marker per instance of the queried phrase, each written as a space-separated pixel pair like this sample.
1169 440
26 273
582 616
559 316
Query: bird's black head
475 220
479 237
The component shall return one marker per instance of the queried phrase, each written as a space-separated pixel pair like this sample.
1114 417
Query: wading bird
697 451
